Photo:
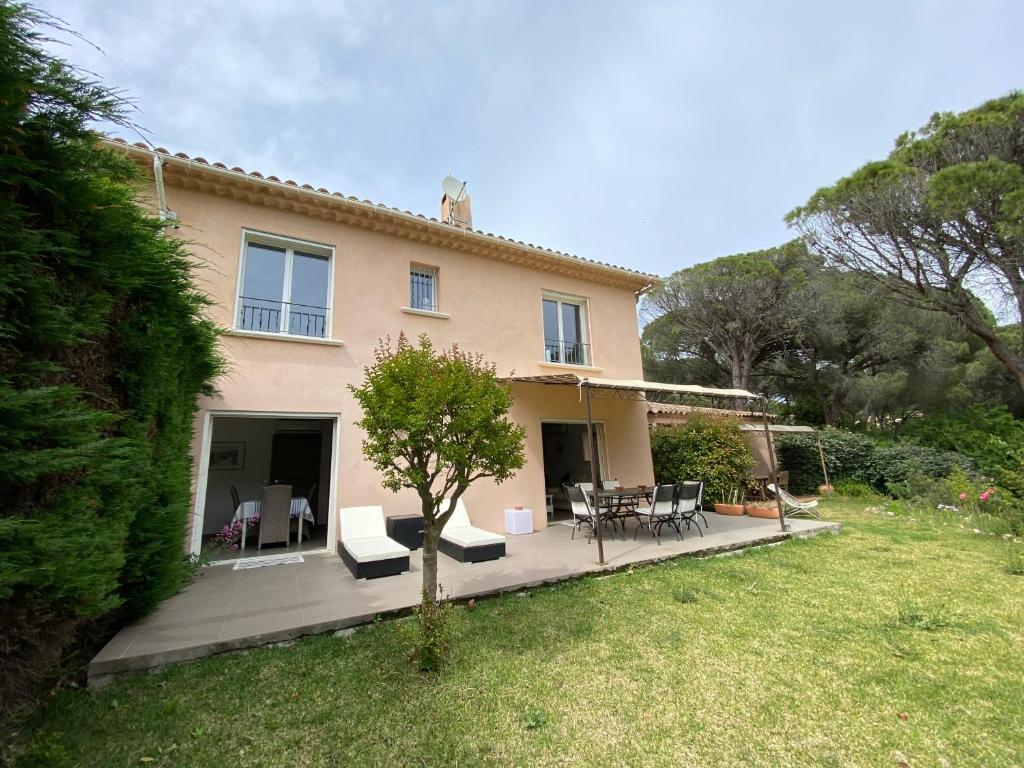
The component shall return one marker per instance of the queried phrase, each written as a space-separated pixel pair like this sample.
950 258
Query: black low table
407 530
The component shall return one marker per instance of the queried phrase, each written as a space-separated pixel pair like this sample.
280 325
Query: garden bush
895 466
712 450
103 351
847 457
856 457
991 437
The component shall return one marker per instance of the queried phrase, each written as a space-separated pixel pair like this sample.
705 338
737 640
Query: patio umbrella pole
821 455
771 460
593 476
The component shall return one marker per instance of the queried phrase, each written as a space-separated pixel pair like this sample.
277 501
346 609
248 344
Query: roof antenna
455 190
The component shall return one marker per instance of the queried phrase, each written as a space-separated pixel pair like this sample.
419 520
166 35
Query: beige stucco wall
494 308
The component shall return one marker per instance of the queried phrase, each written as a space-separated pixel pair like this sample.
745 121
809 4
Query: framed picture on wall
227 456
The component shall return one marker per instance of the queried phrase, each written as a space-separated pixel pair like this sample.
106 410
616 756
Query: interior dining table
247 510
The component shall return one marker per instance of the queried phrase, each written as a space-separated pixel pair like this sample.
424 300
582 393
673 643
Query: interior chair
236 501
275 509
301 525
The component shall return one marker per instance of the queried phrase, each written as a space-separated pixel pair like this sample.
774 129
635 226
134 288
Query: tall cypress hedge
103 351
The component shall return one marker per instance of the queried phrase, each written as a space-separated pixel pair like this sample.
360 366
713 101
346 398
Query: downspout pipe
161 194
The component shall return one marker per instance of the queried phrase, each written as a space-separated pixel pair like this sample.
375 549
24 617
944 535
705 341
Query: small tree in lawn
436 422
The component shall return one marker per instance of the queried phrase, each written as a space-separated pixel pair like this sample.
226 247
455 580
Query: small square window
423 288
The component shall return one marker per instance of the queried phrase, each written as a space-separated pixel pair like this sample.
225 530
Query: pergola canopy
632 385
646 388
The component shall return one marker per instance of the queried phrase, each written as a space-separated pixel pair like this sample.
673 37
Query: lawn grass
898 641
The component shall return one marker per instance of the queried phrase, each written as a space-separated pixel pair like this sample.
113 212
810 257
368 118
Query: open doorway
249 452
567 460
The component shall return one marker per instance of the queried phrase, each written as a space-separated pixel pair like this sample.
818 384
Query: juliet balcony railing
567 352
275 316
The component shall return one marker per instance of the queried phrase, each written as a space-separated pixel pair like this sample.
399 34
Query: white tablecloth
300 506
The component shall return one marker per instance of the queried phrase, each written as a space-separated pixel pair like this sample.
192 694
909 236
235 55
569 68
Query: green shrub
854 489
102 354
904 468
991 437
897 468
711 450
847 457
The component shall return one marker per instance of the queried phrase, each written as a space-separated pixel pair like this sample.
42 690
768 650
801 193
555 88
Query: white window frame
202 477
435 275
584 305
290 245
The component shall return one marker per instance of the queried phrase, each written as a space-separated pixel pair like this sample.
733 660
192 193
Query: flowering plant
230 536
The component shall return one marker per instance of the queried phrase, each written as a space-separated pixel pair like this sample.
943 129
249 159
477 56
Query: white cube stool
518 521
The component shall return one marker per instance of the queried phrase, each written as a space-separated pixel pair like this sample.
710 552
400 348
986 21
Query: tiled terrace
225 609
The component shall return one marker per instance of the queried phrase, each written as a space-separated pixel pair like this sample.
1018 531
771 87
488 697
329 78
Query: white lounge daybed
463 541
366 548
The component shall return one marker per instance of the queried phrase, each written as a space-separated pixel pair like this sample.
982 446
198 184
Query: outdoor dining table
247 510
622 495
621 502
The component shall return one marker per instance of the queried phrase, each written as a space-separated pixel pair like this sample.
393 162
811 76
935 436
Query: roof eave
404 222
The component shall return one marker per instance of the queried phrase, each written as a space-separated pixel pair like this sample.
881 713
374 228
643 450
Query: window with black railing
284 289
566 352
271 316
564 330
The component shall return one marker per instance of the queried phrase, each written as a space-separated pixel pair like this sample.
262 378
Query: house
305 283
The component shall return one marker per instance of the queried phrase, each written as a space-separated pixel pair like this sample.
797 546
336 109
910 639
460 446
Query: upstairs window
423 288
565 330
285 287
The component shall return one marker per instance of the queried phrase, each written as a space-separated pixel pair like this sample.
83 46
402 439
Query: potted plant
763 509
731 505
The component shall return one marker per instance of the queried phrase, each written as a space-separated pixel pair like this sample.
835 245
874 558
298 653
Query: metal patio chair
688 496
662 512
583 512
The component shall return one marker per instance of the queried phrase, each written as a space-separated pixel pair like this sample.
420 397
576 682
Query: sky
651 135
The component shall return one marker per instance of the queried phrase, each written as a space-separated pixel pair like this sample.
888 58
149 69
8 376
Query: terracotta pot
825 490
763 510
729 509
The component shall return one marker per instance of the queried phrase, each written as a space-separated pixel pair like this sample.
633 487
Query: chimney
455 204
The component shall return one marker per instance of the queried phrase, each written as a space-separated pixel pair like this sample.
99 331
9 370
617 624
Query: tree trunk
430 538
977 324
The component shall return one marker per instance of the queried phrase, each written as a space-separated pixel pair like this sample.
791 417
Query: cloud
648 134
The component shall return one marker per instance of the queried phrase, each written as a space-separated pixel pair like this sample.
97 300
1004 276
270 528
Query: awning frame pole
595 507
824 471
771 461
